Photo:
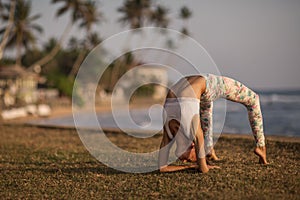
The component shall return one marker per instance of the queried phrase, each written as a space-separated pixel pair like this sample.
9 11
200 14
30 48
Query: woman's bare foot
212 156
261 152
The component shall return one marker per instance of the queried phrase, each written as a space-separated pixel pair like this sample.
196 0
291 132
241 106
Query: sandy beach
52 163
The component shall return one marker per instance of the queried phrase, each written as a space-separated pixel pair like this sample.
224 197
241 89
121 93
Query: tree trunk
115 74
19 49
55 49
8 27
77 64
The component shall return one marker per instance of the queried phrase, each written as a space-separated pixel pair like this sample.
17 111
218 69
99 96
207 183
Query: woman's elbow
163 169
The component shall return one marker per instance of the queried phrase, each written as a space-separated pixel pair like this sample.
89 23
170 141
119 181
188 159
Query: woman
182 118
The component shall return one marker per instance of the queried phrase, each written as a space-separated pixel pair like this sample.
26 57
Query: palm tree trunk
19 49
115 71
55 49
115 74
8 27
78 61
109 80
77 64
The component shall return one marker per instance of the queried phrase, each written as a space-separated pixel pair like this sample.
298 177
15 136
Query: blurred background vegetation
59 63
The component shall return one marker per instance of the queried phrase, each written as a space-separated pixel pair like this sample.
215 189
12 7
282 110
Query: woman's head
189 155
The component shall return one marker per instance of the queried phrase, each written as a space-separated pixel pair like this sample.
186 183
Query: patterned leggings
224 87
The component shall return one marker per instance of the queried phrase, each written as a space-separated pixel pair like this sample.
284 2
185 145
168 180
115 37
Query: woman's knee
253 103
256 98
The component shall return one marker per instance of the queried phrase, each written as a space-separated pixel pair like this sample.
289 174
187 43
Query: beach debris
31 109
44 110
13 113
41 110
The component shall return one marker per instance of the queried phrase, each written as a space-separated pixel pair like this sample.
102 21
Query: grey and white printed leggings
230 89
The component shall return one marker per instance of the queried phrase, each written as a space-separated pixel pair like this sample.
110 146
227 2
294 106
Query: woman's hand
206 168
213 167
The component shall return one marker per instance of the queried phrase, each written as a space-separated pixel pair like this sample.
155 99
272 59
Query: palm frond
61 11
34 17
185 13
2 30
37 28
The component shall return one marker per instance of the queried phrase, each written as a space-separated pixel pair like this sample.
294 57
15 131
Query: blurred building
155 75
141 76
17 86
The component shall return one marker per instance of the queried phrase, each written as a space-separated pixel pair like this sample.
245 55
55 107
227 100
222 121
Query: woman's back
190 87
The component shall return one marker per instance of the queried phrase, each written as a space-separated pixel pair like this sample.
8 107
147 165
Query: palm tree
74 43
9 25
159 16
89 43
185 14
50 44
22 33
135 12
93 40
90 17
77 9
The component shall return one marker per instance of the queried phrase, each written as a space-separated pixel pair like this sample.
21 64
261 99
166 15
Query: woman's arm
200 151
164 151
206 118
173 168
163 156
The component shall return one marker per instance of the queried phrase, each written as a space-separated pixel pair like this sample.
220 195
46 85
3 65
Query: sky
256 42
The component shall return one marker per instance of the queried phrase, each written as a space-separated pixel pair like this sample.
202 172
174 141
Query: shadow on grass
65 167
75 167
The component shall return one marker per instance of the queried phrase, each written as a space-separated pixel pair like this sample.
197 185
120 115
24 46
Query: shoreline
67 111
59 111
275 138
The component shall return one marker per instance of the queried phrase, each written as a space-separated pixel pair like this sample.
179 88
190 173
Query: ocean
280 109
281 114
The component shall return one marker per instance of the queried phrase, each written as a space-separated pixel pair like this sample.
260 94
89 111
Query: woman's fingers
213 167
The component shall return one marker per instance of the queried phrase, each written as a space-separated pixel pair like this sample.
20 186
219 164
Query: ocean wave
278 98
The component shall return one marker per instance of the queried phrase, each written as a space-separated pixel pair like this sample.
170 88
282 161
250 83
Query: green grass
37 163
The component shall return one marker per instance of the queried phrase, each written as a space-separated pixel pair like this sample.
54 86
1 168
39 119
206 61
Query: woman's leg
206 111
237 92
